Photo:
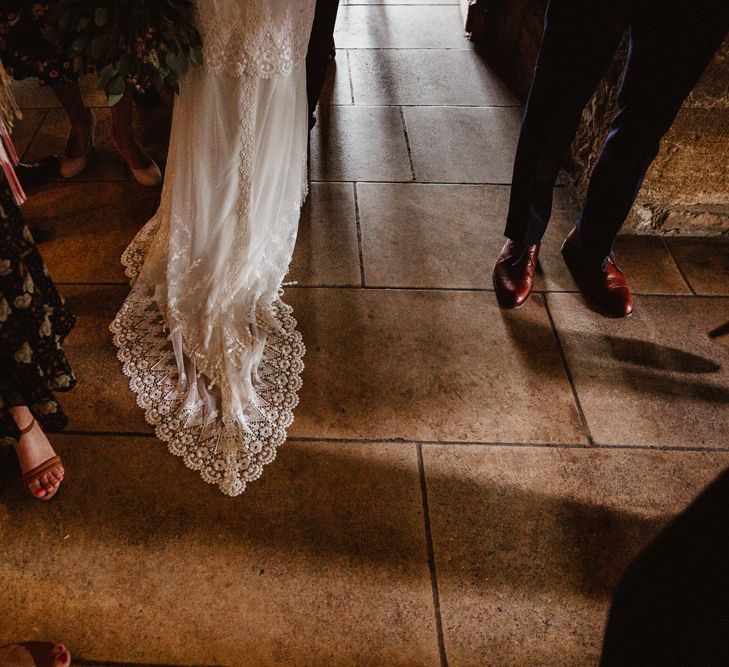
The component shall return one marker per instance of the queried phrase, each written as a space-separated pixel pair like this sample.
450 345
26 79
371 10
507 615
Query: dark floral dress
29 46
34 321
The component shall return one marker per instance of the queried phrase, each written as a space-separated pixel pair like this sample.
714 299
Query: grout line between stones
358 222
400 288
106 663
678 266
407 143
35 133
381 182
431 558
349 72
408 48
427 106
468 290
568 372
441 443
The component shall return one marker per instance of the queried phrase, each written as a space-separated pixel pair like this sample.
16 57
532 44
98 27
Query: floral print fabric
34 321
29 46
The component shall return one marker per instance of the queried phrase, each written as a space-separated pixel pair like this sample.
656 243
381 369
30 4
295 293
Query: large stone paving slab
400 27
449 235
327 250
530 542
321 562
26 128
102 400
425 77
418 365
463 144
656 379
85 227
337 87
359 144
425 235
704 262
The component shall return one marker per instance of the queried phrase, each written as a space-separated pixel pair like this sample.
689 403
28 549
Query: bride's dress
211 351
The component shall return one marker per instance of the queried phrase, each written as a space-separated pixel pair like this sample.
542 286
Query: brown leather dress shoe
513 274
603 283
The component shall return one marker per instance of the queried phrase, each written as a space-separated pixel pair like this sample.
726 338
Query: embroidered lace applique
260 38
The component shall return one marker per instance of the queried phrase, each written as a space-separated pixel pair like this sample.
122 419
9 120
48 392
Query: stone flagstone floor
462 486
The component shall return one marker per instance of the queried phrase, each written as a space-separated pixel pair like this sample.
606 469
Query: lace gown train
211 350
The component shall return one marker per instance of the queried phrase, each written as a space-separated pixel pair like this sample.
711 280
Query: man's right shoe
513 274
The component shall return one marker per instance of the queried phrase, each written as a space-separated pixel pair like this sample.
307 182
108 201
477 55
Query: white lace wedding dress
211 351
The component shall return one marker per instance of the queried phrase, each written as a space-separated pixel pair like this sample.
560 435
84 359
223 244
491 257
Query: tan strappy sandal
36 473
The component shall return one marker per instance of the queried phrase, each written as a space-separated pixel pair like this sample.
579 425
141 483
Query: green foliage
140 42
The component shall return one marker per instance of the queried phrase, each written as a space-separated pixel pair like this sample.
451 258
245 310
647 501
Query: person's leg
320 50
143 167
579 40
670 45
80 117
122 128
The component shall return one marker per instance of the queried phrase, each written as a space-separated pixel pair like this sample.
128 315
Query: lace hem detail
225 454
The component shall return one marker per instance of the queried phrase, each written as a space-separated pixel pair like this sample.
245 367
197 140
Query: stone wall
686 190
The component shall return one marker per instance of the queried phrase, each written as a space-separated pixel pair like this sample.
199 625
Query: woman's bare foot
33 449
35 654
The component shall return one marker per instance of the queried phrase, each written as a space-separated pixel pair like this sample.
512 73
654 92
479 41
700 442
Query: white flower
63 381
23 301
4 309
45 327
24 354
5 268
28 284
27 235
47 408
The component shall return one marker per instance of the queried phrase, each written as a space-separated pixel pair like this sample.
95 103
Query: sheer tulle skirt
210 349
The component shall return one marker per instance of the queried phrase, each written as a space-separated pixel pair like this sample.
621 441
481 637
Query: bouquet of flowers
137 42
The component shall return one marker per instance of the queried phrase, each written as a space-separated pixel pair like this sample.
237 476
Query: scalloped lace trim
224 453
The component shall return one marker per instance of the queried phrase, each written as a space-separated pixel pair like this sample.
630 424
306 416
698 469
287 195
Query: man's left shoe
602 282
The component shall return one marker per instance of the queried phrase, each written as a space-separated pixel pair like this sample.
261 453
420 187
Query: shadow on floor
661 357
671 606
644 365
325 504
